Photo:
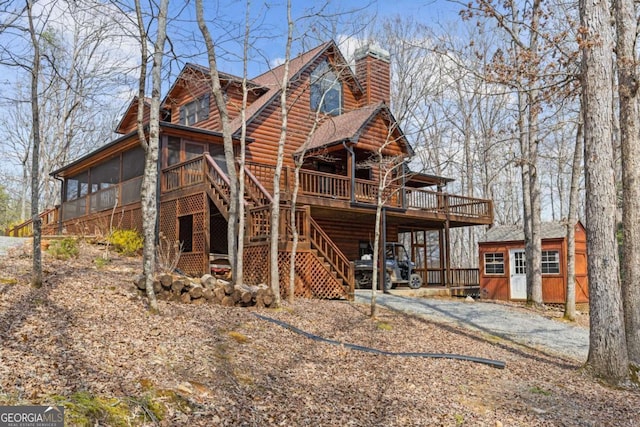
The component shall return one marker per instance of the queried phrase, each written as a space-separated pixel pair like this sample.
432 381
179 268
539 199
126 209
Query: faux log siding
348 238
130 121
190 89
266 131
376 134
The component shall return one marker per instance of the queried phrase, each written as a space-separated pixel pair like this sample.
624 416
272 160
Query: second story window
195 111
326 90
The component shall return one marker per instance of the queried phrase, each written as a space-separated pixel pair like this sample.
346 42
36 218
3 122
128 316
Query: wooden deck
342 192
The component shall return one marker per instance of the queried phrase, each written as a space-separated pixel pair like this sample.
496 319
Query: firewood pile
207 289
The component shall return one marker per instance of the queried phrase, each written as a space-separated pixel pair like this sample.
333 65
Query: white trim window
494 263
550 262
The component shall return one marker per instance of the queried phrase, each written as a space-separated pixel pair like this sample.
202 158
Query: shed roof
510 233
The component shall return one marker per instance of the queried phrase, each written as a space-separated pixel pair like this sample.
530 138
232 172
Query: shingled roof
514 233
343 127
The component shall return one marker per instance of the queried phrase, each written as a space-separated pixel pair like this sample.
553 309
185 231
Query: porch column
447 262
403 192
441 245
351 167
383 247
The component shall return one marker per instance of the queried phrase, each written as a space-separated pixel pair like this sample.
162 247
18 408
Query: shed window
326 90
550 262
494 263
195 111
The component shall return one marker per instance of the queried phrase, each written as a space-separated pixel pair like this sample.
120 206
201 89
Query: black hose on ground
493 363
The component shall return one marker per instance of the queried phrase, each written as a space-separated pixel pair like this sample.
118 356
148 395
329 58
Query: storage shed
503 266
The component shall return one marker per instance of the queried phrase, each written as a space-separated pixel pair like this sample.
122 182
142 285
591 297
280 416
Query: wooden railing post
307 222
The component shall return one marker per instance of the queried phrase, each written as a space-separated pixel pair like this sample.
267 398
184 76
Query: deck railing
183 174
458 278
48 218
367 192
327 185
444 203
338 187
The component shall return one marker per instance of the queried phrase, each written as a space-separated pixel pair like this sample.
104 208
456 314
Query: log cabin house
503 266
338 184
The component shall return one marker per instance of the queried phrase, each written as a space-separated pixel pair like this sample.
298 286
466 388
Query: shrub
101 262
64 249
126 242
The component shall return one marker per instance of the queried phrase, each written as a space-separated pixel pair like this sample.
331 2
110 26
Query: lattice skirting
193 263
312 279
99 224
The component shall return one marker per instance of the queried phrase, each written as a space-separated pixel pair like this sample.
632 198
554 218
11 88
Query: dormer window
326 90
195 111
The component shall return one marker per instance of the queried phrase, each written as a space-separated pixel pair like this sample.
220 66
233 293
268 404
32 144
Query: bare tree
607 343
627 64
218 95
150 177
36 278
389 171
239 261
274 276
79 74
576 173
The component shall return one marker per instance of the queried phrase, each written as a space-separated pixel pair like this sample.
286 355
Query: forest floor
85 340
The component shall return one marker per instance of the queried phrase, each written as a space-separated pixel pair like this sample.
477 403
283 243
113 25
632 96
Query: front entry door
518 279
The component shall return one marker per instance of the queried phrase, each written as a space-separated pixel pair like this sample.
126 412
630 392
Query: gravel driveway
524 328
8 242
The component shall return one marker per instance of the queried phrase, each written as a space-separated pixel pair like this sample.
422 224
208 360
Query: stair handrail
264 198
216 175
323 243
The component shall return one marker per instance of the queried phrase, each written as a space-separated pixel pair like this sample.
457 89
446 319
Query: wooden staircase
257 207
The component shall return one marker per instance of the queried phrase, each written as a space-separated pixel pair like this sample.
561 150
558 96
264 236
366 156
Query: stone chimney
373 70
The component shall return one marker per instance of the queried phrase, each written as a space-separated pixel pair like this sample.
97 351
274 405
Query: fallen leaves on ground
86 339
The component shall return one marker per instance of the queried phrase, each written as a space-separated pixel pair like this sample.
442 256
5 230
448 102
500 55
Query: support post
447 265
383 246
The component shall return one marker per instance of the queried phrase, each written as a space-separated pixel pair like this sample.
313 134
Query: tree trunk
36 278
375 279
238 275
218 95
607 344
150 178
630 144
576 172
274 276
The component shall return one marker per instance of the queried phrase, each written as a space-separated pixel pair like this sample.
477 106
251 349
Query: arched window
326 90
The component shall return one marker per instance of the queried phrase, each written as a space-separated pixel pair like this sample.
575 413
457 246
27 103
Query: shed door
518 279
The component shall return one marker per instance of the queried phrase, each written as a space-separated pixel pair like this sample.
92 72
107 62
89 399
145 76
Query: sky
316 21
348 22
